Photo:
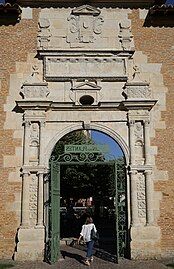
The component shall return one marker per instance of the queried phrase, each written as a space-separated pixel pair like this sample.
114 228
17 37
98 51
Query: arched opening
91 181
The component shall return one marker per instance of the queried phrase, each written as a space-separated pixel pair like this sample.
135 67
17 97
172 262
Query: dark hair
89 220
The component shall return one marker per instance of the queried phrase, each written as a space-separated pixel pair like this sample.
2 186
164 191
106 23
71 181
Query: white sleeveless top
86 231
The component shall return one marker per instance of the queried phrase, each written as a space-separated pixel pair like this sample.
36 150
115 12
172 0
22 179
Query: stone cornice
58 106
139 104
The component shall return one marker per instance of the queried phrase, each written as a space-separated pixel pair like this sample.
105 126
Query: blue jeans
90 245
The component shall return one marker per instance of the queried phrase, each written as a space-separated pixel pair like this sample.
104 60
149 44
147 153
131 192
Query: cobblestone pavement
73 259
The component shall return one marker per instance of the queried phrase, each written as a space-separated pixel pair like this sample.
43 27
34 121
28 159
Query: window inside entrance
89 180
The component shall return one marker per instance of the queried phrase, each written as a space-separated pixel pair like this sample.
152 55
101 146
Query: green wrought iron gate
121 225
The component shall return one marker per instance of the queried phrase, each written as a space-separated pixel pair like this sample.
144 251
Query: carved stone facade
84 24
86 74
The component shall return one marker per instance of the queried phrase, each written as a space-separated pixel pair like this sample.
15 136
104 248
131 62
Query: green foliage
87 179
72 138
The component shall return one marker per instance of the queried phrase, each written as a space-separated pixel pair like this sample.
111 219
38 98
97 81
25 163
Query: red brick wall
16 42
157 43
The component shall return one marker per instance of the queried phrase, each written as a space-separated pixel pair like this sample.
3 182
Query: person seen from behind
86 234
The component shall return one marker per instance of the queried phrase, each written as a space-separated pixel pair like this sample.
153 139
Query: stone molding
80 126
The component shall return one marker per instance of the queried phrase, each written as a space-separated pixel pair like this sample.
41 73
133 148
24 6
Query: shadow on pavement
75 256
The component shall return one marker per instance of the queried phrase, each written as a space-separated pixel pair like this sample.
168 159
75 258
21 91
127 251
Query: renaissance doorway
86 179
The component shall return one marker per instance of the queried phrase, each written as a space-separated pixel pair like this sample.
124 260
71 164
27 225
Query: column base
30 244
145 242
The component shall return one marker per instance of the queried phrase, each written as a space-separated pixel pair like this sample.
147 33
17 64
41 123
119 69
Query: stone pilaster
132 141
40 200
149 198
25 200
27 125
147 141
41 131
134 202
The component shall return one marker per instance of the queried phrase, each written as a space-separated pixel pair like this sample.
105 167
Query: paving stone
73 258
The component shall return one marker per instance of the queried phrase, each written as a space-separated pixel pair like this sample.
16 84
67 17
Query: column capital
148 172
26 122
133 172
42 123
25 172
40 173
146 122
131 122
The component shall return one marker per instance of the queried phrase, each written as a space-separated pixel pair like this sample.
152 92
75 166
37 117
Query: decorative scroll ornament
125 35
136 88
33 200
33 88
84 24
141 196
44 34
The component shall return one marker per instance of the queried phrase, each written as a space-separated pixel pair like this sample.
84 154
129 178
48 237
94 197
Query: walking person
86 234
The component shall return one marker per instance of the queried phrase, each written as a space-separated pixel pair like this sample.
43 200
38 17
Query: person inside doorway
86 234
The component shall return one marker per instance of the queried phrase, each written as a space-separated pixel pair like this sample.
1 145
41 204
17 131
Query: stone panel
66 68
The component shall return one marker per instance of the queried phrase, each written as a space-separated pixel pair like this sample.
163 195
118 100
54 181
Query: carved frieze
84 24
66 68
32 114
136 92
141 196
33 199
33 88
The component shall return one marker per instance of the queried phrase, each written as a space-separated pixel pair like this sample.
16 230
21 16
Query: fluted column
41 153
27 124
134 202
147 141
132 141
25 199
149 198
40 200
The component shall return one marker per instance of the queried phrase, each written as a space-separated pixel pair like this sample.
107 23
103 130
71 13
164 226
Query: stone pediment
86 10
86 86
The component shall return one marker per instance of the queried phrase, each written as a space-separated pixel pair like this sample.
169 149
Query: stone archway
65 158
122 107
93 126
